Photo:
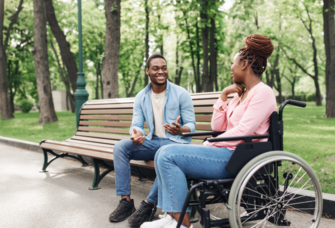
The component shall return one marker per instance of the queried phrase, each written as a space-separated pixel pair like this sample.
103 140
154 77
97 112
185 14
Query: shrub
311 97
25 105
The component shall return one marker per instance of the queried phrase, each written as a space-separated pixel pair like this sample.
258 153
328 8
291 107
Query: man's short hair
154 56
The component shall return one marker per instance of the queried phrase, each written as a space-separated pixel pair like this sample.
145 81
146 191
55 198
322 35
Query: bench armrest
213 133
247 138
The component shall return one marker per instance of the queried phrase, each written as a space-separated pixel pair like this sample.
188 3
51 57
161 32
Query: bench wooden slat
105 123
107 111
207 102
83 146
128 124
197 110
108 130
198 118
203 118
98 155
91 143
205 127
111 117
102 136
90 139
201 110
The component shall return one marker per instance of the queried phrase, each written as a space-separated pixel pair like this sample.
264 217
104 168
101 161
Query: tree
293 79
315 76
47 111
112 46
146 8
329 34
64 47
65 79
207 85
6 111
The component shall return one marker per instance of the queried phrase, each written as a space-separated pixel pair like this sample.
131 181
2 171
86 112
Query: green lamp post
81 95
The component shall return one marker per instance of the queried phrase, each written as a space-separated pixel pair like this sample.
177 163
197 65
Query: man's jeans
124 151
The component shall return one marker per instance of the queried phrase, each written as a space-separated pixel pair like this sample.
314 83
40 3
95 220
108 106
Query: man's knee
120 148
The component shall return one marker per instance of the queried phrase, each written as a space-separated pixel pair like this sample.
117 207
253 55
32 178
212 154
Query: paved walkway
59 198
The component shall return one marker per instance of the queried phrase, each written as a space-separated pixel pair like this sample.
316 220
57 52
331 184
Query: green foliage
310 97
25 105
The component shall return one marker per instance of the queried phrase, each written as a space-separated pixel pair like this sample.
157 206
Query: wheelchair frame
244 152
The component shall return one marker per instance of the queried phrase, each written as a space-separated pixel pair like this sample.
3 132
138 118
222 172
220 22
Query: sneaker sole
124 217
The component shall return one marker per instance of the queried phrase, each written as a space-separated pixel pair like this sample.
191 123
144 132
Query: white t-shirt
157 101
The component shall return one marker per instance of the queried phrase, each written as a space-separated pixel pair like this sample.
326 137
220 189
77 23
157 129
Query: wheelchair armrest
213 133
246 139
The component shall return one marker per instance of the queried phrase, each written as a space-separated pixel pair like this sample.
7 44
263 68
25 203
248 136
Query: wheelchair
271 187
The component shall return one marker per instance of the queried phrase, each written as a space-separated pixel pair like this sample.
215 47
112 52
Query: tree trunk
177 62
64 46
198 84
329 34
318 97
112 47
278 87
64 77
4 94
206 80
161 36
98 73
195 70
213 55
146 79
47 111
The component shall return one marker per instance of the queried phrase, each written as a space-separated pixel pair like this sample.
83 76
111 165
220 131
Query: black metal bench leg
46 163
97 176
137 171
80 158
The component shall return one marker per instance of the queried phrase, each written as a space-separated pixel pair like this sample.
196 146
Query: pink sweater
251 117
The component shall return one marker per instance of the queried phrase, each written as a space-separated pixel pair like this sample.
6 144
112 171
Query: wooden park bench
104 122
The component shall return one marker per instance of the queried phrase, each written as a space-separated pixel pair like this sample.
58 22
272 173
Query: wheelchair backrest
245 152
276 131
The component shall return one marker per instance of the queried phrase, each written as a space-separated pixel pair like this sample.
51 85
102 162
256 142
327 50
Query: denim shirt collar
149 86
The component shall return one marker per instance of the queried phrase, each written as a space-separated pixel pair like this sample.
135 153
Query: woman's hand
234 88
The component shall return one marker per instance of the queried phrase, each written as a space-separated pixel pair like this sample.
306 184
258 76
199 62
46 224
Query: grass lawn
25 127
307 133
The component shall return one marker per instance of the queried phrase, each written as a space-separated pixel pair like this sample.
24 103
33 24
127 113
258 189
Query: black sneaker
145 213
122 211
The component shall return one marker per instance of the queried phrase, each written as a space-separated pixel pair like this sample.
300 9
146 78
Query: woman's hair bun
259 45
257 49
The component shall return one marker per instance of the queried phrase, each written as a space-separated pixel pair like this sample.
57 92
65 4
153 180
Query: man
168 111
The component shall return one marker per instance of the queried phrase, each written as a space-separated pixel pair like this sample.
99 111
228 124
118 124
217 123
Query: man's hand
137 137
174 130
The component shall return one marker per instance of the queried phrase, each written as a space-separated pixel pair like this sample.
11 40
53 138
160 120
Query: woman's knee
164 153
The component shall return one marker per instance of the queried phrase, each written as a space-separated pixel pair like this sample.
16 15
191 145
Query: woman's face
237 71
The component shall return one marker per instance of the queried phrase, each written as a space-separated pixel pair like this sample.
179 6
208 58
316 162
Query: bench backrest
109 120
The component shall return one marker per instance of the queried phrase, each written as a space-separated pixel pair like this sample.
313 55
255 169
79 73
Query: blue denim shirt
178 102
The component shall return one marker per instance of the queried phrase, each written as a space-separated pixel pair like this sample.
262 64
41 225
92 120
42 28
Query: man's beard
156 83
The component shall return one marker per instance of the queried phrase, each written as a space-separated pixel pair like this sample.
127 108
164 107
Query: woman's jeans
173 163
124 151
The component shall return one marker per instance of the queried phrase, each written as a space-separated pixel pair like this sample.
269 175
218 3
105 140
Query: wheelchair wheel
275 189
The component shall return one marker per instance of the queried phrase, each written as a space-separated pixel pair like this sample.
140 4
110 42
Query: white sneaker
173 224
161 223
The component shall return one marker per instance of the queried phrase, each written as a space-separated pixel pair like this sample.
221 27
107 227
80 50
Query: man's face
157 71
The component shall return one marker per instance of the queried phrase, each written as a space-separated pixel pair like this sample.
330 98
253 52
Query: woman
247 114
